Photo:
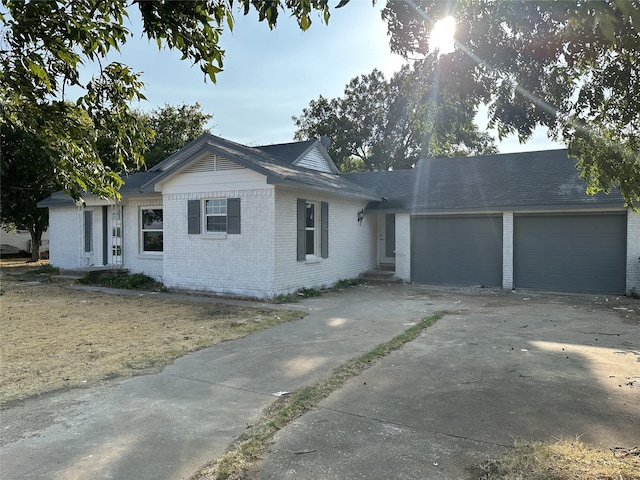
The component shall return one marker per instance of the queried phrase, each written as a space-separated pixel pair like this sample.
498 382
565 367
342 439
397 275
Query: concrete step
380 275
94 274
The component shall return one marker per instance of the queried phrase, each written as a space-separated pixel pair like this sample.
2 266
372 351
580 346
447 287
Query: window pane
152 219
311 214
216 207
311 244
152 241
216 224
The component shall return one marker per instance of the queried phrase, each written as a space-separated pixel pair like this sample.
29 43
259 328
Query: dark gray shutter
302 230
88 230
324 230
193 217
233 216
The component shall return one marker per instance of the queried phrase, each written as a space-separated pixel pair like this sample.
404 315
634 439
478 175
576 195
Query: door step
384 275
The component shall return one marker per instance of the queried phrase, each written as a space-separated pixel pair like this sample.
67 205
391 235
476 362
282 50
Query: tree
572 67
380 124
171 127
27 175
45 43
174 127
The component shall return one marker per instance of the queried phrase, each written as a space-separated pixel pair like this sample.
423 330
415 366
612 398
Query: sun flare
441 38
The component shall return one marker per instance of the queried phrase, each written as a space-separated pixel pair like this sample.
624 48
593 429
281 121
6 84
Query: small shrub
308 292
347 283
130 282
286 298
47 269
633 293
86 280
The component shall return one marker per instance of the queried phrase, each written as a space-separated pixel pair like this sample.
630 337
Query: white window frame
207 215
144 230
313 228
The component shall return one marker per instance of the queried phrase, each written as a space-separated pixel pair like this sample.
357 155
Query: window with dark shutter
193 217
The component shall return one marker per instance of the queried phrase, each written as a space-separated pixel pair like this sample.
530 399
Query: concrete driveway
499 366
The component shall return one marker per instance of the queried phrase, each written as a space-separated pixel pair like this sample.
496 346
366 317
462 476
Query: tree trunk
36 240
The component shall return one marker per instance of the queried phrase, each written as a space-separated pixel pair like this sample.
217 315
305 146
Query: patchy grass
347 283
54 338
560 461
251 447
312 292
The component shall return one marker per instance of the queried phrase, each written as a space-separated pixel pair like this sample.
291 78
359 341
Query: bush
130 282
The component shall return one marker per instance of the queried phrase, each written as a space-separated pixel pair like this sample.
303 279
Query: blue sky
270 75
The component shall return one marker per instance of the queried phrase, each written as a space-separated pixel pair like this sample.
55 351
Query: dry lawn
54 338
562 460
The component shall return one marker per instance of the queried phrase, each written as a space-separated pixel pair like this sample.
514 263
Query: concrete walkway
165 426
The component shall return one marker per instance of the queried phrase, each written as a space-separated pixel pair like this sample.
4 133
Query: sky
271 75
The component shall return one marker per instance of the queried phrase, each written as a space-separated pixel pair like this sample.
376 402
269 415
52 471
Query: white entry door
387 239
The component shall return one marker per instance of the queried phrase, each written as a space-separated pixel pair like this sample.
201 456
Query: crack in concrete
216 384
397 424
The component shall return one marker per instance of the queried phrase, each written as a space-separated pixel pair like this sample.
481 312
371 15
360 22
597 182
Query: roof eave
321 188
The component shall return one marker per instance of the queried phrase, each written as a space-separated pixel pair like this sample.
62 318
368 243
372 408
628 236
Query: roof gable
310 154
209 151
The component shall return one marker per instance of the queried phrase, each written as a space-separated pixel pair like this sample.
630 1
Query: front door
387 239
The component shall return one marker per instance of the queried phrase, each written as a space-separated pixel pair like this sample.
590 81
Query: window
152 240
216 215
312 232
221 215
310 227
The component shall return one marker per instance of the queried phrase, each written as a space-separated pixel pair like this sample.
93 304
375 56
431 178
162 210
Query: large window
216 215
152 240
310 225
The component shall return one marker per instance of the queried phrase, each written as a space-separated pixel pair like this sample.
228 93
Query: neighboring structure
19 242
264 221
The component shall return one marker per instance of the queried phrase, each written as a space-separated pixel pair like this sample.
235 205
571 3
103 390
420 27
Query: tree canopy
380 124
27 176
572 67
174 127
45 45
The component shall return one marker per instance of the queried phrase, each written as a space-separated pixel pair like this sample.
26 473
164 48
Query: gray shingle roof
287 152
276 170
544 179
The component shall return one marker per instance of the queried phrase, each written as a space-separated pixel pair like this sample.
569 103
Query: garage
457 250
571 253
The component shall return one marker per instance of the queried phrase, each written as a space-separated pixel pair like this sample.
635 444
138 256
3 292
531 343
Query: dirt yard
55 338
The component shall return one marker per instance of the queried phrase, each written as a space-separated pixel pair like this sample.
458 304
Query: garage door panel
581 253
457 250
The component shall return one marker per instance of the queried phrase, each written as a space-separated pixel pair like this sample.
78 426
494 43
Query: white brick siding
133 258
507 250
403 246
352 248
231 264
65 236
633 251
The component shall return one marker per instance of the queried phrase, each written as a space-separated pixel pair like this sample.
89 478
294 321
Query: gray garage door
572 253
462 250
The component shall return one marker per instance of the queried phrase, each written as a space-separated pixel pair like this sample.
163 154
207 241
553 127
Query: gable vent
314 160
212 163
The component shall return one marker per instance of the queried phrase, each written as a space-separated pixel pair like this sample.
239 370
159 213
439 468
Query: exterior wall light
360 217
